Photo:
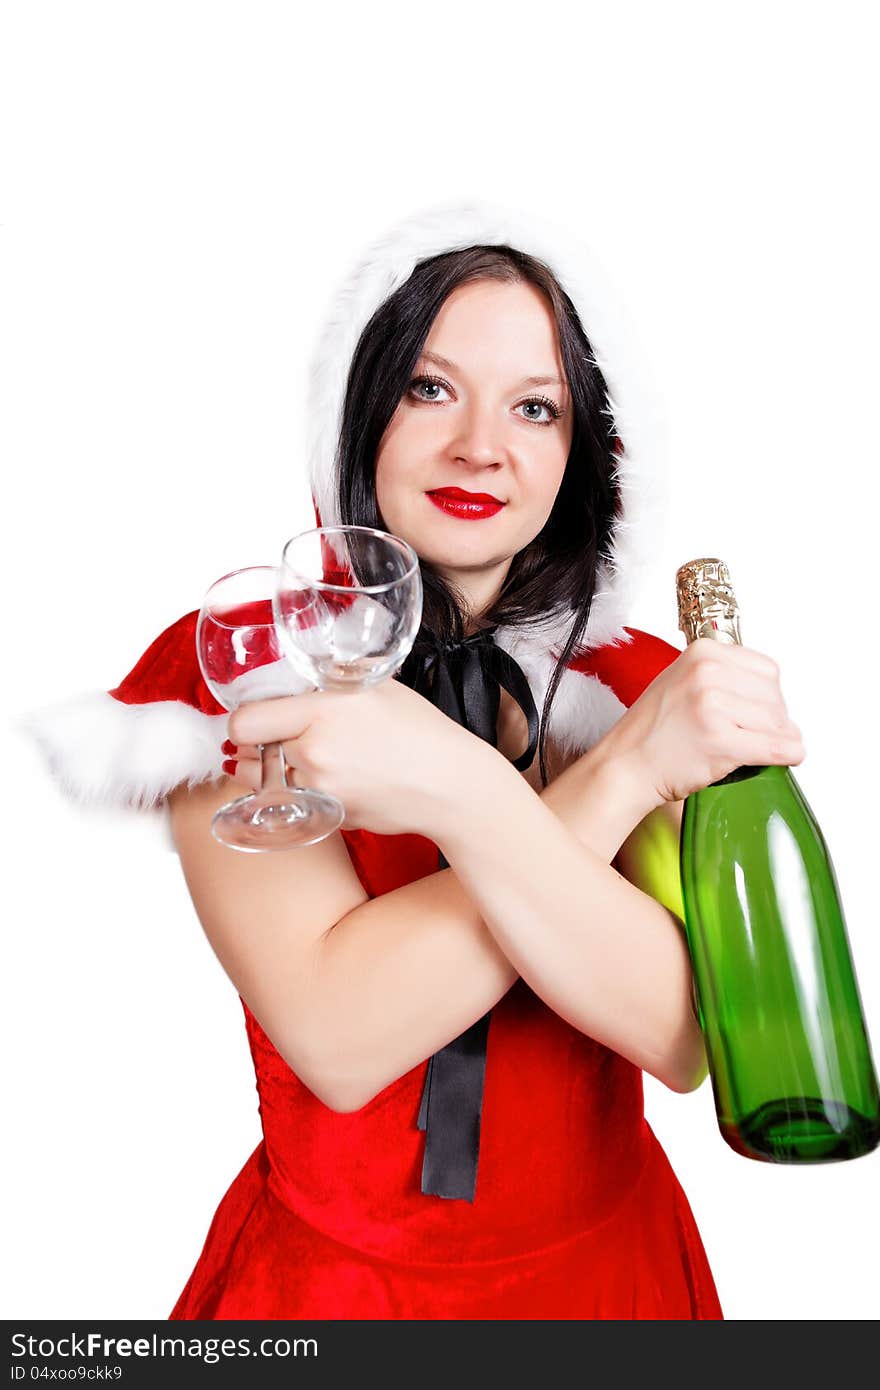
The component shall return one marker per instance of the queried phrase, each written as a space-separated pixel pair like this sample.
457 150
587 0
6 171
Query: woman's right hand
717 707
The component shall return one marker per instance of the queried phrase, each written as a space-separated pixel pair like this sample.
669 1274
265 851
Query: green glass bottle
775 989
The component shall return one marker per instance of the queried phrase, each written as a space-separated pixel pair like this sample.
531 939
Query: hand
395 761
717 707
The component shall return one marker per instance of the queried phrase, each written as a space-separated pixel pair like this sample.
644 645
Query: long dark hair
556 572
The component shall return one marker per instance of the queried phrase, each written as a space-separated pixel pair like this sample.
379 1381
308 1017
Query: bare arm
356 992
600 952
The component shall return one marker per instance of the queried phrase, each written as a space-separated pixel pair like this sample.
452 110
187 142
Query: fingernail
229 747
229 766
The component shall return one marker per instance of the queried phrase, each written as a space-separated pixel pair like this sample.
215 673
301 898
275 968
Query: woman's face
488 411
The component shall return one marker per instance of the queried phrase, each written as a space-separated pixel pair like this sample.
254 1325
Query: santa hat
161 726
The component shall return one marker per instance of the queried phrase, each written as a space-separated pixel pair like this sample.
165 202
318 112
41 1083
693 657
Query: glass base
278 818
803 1130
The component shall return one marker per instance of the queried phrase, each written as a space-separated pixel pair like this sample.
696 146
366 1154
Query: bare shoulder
191 810
305 890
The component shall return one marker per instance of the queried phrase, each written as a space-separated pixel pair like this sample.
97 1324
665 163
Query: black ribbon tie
464 679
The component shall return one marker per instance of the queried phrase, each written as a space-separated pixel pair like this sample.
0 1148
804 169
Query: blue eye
420 386
433 382
551 409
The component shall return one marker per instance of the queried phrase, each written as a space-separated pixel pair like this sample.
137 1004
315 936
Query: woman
451 1000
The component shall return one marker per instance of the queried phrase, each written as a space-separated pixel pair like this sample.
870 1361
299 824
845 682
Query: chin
447 542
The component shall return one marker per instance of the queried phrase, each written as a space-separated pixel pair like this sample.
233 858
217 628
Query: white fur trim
104 752
632 400
267 682
583 708
583 711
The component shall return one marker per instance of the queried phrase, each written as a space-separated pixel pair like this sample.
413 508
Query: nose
478 437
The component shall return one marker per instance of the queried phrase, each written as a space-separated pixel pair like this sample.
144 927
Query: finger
763 749
232 750
746 682
270 721
245 752
245 773
758 716
744 658
730 670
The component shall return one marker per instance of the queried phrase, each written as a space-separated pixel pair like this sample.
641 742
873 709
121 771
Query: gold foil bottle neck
706 601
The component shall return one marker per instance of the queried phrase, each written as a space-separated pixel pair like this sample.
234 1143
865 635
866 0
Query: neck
477 591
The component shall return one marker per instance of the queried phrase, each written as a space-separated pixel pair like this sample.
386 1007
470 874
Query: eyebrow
526 380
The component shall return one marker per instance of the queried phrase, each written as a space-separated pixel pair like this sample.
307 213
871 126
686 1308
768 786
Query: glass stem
272 763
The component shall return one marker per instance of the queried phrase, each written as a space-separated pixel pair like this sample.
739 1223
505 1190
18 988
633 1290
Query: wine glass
240 658
348 606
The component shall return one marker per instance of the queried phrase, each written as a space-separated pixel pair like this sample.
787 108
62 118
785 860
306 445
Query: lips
467 505
465 496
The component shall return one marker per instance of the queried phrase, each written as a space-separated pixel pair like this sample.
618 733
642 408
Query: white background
185 184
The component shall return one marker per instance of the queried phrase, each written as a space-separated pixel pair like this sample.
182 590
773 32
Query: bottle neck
721 627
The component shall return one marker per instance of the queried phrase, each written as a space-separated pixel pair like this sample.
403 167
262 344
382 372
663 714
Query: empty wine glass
348 605
240 658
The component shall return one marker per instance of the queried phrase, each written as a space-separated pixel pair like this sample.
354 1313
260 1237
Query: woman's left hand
397 763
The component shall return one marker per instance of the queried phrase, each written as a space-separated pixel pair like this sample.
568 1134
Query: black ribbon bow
464 679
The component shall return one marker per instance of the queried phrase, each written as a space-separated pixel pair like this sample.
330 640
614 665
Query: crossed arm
354 991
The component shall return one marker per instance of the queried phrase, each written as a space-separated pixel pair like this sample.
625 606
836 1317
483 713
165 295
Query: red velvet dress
577 1213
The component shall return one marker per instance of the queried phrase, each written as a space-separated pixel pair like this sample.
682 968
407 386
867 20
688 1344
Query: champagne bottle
775 990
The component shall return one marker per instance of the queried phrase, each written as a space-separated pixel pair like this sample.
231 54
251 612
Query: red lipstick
467 505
